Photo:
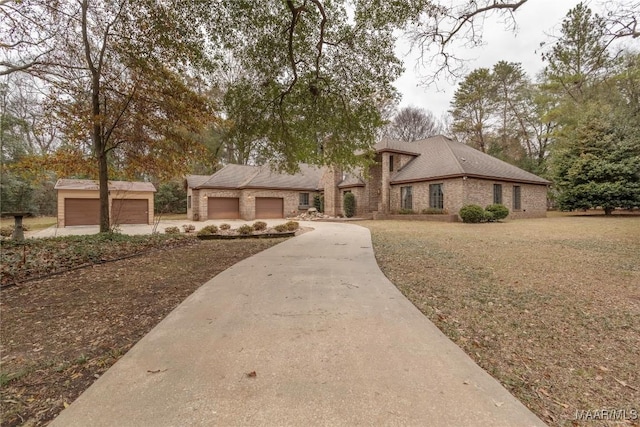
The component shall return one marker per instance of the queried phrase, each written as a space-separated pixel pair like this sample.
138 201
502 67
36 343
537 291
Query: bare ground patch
549 307
59 334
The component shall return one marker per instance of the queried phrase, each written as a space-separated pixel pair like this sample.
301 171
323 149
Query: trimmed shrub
404 211
349 203
259 225
208 230
281 228
292 225
245 229
488 216
225 226
498 210
318 203
172 230
471 213
188 228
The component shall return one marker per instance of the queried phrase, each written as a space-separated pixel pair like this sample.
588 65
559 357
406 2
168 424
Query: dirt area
59 334
549 307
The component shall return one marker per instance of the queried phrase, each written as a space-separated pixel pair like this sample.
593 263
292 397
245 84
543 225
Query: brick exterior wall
374 186
247 201
332 195
451 188
533 197
459 192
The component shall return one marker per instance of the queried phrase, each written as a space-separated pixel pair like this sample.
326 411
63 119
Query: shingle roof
89 184
195 180
352 180
441 157
242 176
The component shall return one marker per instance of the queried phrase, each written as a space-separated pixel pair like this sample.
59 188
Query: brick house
436 173
250 192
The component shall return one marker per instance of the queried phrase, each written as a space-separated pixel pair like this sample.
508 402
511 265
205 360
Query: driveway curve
307 333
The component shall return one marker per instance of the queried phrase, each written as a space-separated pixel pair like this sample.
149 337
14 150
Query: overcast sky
535 19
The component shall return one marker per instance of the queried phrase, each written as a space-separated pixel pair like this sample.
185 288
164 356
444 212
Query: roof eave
485 177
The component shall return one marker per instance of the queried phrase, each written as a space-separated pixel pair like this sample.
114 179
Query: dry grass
171 216
33 223
549 307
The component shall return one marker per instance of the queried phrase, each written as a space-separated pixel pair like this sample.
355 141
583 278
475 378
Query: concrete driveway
306 333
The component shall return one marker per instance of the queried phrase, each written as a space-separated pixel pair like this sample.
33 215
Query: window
497 193
406 196
390 163
517 203
436 197
304 199
189 202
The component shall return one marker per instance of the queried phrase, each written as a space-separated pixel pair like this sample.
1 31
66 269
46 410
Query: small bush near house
281 228
225 226
172 230
208 230
404 211
318 203
292 225
188 228
488 217
434 211
498 210
259 225
245 229
349 204
472 213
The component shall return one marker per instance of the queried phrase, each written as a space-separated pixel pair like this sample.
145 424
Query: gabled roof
353 179
441 157
90 184
242 176
195 180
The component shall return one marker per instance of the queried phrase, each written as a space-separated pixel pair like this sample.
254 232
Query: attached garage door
81 212
223 208
269 207
130 211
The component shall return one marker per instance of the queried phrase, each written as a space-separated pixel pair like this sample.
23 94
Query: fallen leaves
81 322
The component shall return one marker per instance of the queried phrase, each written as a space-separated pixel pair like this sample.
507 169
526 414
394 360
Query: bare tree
622 18
412 124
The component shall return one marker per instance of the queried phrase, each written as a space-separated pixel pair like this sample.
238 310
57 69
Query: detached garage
79 202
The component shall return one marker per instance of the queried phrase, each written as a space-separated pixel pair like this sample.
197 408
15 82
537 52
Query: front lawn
549 307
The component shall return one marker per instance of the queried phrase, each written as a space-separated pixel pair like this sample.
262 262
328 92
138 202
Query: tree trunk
99 143
101 156
608 211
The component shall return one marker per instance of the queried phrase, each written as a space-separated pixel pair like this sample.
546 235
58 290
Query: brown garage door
269 207
81 212
223 208
130 211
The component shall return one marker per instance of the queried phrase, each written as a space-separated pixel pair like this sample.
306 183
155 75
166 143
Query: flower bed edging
245 236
